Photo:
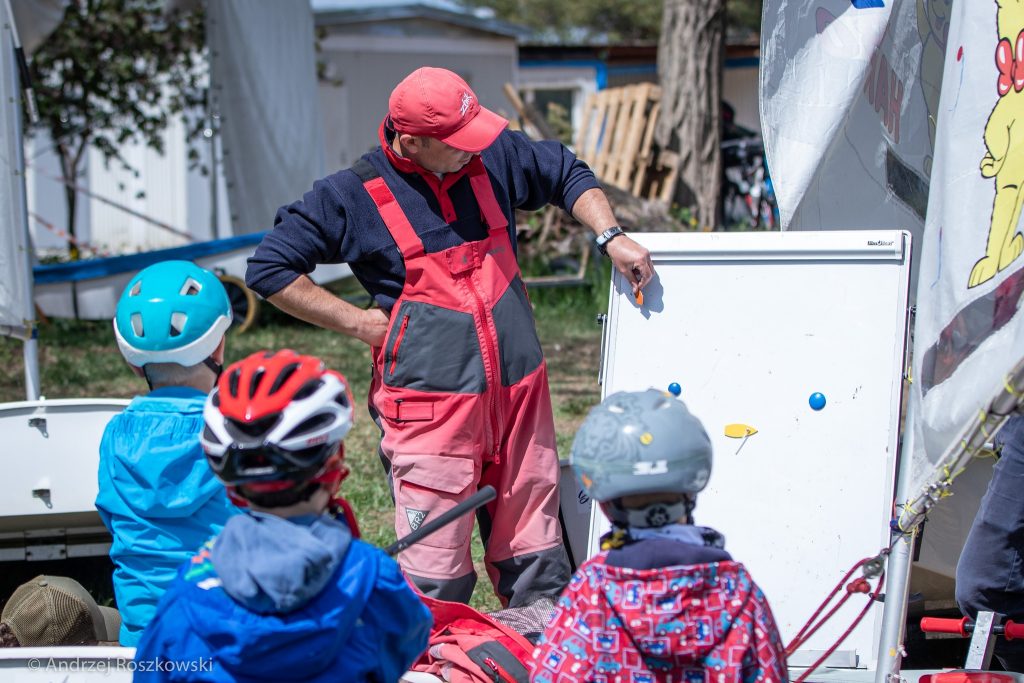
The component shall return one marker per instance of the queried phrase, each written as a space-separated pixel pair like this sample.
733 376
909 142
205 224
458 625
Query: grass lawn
80 359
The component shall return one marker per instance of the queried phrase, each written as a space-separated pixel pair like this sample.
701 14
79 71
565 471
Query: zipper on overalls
398 342
493 374
495 671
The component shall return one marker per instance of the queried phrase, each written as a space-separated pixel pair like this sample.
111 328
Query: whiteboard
751 325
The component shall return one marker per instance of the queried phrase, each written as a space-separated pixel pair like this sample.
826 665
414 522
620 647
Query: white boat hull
51 453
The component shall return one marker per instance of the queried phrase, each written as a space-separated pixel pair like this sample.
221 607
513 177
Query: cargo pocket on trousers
429 485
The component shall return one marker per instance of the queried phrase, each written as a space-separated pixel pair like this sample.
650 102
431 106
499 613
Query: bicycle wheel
244 304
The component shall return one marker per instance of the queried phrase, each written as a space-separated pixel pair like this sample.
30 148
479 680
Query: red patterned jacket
687 624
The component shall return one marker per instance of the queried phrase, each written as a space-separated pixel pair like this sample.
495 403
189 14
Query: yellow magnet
739 431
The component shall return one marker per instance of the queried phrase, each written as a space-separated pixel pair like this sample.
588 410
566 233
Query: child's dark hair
7 637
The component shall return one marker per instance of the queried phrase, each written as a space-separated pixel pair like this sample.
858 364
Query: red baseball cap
437 103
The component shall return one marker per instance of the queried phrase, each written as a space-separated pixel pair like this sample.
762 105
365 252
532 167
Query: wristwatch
607 236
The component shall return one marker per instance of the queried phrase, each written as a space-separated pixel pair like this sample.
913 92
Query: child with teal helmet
157 495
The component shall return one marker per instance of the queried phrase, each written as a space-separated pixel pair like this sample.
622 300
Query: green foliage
611 21
744 15
687 215
115 72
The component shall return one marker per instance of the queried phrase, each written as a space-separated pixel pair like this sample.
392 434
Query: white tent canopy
266 95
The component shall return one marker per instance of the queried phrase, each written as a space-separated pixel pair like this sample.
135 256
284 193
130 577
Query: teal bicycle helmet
171 312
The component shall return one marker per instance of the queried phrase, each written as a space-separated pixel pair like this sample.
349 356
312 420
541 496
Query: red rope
110 202
84 246
859 585
807 672
807 631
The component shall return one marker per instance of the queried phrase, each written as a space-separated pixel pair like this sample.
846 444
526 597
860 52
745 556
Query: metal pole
29 349
213 120
897 574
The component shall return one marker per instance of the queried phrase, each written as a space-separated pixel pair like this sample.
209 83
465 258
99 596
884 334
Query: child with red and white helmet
286 591
664 600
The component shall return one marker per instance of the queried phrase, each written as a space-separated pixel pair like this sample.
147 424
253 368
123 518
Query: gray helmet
641 442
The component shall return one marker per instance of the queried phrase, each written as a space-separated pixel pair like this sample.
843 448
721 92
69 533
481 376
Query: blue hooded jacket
157 496
274 599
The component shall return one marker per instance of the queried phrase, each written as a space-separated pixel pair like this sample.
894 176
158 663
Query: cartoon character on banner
1004 141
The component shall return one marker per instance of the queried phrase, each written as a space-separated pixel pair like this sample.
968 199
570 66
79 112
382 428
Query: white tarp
847 92
969 330
15 295
265 85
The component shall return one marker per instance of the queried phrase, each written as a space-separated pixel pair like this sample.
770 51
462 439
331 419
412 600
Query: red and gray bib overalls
461 391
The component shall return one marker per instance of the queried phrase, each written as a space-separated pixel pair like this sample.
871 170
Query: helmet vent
252 430
191 288
137 324
254 383
308 389
136 288
312 424
255 464
233 382
178 320
283 377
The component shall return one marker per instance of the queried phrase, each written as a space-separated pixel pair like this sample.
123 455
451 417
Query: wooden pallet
616 138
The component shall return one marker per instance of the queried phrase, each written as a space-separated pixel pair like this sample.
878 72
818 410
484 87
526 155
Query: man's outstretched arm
629 258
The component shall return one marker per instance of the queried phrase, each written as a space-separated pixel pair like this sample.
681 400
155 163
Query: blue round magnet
675 389
817 400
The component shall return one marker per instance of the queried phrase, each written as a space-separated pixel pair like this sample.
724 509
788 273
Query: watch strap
607 236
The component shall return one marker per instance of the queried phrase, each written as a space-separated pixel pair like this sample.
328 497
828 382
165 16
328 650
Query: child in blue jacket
286 591
157 495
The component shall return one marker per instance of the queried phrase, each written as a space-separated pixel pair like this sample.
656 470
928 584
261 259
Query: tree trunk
690 56
69 172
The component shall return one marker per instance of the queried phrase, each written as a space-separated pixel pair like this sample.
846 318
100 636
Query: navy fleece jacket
337 222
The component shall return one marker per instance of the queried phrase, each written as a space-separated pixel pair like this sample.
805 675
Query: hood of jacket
293 592
151 460
273 565
675 616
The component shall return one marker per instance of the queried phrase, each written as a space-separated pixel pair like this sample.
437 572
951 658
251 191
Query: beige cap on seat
56 610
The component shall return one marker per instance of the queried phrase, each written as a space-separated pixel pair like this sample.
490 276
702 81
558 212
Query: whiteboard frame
886 248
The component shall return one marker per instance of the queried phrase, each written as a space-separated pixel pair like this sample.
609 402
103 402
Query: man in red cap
460 388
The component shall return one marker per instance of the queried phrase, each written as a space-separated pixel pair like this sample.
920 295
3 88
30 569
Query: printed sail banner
849 90
15 296
969 330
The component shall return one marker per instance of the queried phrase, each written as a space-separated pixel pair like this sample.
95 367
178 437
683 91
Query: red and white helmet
276 420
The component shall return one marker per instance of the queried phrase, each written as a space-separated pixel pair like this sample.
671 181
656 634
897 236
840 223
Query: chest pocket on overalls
433 349
518 344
